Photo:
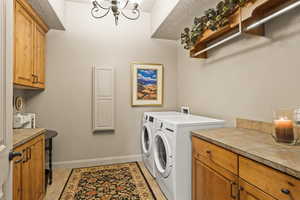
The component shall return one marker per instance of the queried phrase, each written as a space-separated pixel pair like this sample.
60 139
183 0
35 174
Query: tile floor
60 177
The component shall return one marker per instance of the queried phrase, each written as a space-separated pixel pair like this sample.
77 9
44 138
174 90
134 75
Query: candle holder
286 127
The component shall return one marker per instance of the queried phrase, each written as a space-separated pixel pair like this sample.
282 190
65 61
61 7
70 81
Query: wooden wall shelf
252 12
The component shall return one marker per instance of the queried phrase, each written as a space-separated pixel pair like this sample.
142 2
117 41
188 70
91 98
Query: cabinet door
210 185
39 64
27 176
37 169
17 173
249 192
24 33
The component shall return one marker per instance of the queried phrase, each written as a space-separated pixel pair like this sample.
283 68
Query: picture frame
147 83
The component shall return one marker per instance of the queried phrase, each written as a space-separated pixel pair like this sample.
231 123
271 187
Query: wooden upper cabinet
39 64
211 185
30 39
24 31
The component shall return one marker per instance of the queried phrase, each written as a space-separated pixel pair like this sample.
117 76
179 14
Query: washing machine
147 136
173 153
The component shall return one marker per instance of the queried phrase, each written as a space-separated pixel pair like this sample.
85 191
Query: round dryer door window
146 139
162 155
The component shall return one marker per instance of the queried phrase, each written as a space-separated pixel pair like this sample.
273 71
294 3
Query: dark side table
50 134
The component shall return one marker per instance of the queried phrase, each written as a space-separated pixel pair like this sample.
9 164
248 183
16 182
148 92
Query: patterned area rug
108 182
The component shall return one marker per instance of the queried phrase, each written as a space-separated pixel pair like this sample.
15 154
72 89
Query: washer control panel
163 125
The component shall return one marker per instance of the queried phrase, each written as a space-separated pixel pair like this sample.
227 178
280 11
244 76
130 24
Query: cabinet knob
285 191
208 151
12 155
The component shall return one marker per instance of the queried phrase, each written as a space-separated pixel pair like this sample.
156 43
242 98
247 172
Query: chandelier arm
97 17
99 5
132 18
126 4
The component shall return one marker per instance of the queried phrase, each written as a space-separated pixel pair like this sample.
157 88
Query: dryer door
146 139
162 155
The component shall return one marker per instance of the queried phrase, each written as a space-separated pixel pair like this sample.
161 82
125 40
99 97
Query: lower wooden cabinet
271 181
17 174
29 171
249 192
211 185
214 179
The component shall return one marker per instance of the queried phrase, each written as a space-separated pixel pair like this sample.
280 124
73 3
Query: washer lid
166 113
162 155
190 120
146 139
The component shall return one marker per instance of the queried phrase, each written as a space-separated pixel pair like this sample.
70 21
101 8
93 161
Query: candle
284 130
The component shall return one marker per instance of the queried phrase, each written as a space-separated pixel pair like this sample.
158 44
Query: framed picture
147 84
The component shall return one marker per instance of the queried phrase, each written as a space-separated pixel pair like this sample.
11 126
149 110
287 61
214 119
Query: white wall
6 81
65 105
59 8
247 78
160 11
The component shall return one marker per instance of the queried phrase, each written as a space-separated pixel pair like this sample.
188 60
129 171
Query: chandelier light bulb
136 2
121 3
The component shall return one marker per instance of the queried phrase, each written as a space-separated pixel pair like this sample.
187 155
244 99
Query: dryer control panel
165 126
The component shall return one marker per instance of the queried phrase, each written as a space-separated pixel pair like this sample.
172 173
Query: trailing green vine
213 19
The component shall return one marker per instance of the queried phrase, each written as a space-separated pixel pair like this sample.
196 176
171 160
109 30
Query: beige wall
247 78
65 106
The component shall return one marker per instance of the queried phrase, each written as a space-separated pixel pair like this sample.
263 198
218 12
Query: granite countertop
257 146
21 136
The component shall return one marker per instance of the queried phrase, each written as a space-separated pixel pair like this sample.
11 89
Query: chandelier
127 8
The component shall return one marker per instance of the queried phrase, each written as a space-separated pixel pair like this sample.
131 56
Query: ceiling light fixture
101 8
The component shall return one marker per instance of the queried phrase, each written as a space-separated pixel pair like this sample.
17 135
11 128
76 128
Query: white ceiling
146 5
182 16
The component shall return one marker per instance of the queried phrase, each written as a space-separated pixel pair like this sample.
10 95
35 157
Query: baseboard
97 161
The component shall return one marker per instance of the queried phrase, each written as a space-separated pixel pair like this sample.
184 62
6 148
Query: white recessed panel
103 99
104 116
104 83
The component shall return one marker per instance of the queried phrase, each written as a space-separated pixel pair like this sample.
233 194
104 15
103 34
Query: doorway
6 96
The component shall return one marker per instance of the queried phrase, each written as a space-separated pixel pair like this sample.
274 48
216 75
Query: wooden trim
35 16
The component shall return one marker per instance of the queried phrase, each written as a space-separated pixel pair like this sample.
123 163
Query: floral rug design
108 182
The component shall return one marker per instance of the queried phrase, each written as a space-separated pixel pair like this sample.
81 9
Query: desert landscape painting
147 84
